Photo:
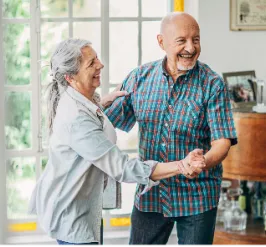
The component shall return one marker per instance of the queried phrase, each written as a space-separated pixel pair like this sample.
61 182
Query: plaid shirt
174 119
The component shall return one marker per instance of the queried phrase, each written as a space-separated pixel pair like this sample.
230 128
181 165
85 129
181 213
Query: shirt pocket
188 116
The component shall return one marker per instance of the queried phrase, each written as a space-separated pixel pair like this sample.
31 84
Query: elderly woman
82 151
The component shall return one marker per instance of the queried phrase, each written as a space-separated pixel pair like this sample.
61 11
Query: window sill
41 240
44 239
33 239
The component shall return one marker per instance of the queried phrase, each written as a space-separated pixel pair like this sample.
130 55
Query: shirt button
170 106
166 125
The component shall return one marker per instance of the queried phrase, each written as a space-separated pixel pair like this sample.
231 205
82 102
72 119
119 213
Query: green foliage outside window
21 176
20 172
17 54
16 43
18 120
17 72
16 8
20 183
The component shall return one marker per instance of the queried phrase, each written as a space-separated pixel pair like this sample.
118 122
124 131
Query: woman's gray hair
64 61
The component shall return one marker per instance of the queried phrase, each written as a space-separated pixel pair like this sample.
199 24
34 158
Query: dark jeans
154 228
66 243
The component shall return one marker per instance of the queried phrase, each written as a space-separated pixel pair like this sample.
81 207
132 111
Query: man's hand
109 98
193 164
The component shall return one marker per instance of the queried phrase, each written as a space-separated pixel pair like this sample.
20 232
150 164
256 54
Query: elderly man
180 104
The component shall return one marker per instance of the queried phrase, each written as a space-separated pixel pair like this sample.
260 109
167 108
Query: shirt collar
165 73
74 94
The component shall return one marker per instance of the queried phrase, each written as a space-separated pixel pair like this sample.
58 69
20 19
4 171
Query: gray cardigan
68 196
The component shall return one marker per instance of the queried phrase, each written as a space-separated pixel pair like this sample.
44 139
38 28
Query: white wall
227 51
192 7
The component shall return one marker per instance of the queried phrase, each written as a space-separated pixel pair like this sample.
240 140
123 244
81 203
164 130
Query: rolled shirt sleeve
90 142
219 113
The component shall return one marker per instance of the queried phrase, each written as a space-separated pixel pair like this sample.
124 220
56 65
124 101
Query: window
19 73
124 35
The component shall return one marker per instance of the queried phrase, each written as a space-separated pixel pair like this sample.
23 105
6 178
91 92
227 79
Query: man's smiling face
180 39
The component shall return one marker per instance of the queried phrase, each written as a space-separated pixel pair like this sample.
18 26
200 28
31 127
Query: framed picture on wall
247 15
241 86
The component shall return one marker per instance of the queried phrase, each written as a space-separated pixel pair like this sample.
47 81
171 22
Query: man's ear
160 41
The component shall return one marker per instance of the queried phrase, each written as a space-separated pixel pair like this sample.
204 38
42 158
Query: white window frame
34 87
34 22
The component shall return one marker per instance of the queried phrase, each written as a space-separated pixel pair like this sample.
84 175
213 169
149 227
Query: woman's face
89 76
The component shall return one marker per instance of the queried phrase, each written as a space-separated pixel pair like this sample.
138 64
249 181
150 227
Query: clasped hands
193 164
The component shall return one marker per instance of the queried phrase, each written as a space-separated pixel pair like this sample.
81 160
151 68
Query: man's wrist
180 167
205 161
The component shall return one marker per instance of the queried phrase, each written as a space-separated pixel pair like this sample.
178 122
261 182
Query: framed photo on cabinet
247 15
241 86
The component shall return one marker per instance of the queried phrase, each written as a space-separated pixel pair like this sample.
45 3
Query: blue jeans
154 228
66 243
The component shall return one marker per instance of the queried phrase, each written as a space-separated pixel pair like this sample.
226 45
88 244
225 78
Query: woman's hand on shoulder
111 97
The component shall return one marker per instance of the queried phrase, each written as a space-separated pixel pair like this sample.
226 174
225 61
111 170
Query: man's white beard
182 68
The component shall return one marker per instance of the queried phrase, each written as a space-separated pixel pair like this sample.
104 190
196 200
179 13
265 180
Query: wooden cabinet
246 161
254 234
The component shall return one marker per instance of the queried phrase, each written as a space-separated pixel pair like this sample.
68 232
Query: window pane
90 31
21 180
122 8
43 163
154 8
58 8
128 192
52 33
123 48
86 8
16 8
128 140
18 120
150 47
17 54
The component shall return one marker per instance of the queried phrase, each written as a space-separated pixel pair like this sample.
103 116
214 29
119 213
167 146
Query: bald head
180 39
177 19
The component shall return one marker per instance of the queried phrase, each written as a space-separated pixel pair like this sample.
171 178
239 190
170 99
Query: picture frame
247 15
241 85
